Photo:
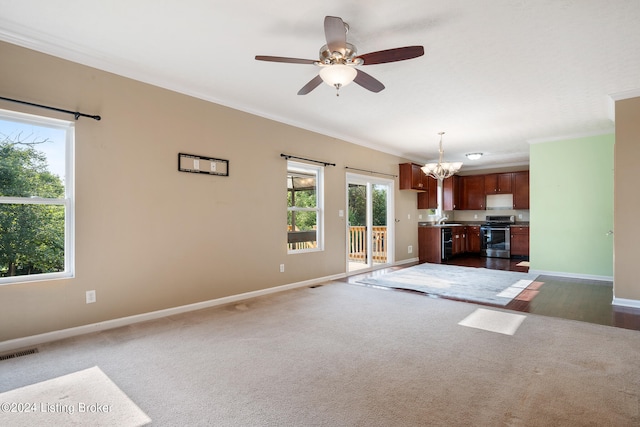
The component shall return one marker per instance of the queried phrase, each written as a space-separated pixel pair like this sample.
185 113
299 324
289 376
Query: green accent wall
571 184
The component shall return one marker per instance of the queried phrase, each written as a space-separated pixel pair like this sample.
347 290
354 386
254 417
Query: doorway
370 213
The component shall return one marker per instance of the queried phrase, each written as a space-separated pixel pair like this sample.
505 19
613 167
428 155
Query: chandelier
441 170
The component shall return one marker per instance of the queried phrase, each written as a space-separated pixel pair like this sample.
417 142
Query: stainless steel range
495 236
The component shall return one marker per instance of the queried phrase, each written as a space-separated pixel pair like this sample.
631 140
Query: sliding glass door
370 213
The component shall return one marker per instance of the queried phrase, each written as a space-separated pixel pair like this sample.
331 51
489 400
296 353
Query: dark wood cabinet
498 183
473 239
459 241
473 192
521 190
428 199
451 193
412 177
429 244
464 192
433 193
520 241
465 239
424 201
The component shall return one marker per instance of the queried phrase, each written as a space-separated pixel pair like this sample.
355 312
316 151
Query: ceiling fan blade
335 33
392 55
368 82
283 59
314 83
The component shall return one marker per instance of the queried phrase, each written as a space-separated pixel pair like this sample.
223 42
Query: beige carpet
354 355
83 398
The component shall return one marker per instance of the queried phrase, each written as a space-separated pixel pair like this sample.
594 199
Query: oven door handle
506 229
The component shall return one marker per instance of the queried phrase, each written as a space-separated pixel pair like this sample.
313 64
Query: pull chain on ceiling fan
338 60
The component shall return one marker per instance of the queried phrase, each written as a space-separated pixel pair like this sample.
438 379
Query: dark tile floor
567 298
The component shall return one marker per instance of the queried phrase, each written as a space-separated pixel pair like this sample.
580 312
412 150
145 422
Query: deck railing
358 243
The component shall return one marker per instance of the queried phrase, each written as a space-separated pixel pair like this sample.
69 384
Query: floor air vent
18 354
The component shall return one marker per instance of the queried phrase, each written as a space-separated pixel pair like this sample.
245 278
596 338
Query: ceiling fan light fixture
338 57
338 75
473 156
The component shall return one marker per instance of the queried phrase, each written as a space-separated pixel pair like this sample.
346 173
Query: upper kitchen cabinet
473 195
429 199
498 183
451 193
412 177
521 190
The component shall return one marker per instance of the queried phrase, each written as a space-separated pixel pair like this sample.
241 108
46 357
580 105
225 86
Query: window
36 198
304 207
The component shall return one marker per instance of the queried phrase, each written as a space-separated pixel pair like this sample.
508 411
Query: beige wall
149 237
626 285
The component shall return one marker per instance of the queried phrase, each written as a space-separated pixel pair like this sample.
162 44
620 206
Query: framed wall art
200 164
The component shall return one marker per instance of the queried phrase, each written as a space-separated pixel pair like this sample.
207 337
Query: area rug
496 287
83 398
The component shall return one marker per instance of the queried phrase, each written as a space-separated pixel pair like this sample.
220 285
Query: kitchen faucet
442 219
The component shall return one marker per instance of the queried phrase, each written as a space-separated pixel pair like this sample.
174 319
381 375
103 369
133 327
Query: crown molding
627 94
619 96
572 136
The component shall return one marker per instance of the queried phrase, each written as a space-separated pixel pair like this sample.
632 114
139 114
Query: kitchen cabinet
473 192
473 239
459 240
451 193
423 200
412 177
498 183
465 192
521 190
520 241
429 244
429 199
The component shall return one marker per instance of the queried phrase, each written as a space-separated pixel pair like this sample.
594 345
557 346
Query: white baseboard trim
34 340
572 275
407 261
623 302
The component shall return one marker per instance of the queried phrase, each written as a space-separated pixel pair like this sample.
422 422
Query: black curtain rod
76 114
363 170
308 160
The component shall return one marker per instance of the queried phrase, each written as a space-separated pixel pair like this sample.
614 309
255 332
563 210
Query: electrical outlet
410 249
91 297
281 268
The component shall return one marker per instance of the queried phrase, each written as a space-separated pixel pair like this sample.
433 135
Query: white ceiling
496 74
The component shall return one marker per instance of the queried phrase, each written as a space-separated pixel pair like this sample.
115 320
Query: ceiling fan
339 59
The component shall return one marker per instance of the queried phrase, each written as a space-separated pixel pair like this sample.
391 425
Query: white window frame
68 202
318 170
